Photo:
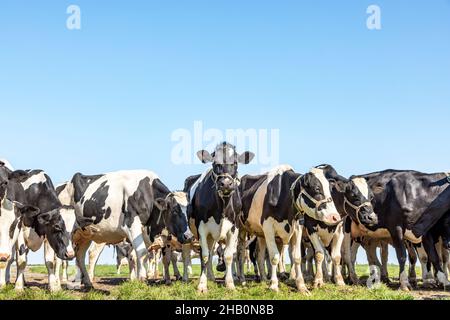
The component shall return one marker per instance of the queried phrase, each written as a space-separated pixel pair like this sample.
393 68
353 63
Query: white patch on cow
326 236
182 199
362 186
217 231
279 229
34 179
197 183
442 278
279 170
7 164
66 195
32 240
409 235
7 218
256 208
69 218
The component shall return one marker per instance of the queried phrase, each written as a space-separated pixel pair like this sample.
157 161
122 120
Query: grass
181 291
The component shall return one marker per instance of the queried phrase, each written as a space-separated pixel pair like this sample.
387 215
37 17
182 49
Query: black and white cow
33 189
408 204
273 205
215 202
351 197
133 205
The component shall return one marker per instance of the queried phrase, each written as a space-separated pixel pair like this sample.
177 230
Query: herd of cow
319 216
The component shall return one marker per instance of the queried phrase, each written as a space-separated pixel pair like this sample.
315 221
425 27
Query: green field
117 288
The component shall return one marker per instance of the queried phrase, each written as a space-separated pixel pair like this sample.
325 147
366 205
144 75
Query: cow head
314 197
358 202
11 214
53 226
225 162
173 214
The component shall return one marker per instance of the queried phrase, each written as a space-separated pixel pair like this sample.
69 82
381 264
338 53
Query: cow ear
45 218
18 176
161 204
340 186
205 156
246 157
28 212
84 222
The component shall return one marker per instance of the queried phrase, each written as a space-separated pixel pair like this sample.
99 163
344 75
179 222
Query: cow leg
186 260
274 256
83 275
320 256
8 271
230 250
336 249
167 258
296 256
282 263
137 240
207 247
176 271
427 274
374 264
94 255
433 256
262 258
445 260
385 262
412 263
400 249
241 255
49 254
21 266
347 249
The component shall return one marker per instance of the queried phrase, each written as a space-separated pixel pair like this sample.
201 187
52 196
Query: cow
440 237
408 204
43 224
214 203
124 256
273 206
133 205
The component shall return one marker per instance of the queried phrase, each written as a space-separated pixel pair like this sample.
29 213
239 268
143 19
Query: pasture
110 286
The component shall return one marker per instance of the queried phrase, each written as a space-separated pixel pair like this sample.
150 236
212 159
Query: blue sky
109 96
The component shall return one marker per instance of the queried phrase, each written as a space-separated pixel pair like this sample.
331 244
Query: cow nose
4 257
333 218
70 254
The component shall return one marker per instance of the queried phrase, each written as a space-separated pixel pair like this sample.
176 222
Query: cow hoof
54 289
168 283
318 284
405 288
385 280
283 276
19 289
340 283
274 288
202 290
178 278
230 286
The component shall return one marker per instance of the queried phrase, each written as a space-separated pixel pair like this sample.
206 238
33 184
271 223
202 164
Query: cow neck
295 200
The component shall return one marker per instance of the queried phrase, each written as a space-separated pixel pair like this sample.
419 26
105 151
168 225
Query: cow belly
105 232
217 231
254 219
327 236
279 229
409 235
360 231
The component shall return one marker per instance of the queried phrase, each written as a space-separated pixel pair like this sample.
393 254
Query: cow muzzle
4 257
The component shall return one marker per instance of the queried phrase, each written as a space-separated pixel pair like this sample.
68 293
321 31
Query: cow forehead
319 174
181 198
225 155
362 186
69 217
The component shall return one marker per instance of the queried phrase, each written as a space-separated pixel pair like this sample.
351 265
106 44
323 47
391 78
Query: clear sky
109 96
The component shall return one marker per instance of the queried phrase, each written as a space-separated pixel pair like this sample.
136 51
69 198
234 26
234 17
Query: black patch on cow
94 206
287 228
12 228
22 250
